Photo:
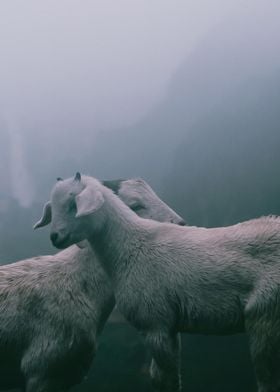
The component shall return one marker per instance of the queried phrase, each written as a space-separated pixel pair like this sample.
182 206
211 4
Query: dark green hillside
228 167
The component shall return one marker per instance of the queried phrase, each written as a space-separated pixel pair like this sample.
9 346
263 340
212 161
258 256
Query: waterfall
22 184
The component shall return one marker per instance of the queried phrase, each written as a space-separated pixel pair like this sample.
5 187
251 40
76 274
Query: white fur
52 309
141 198
169 279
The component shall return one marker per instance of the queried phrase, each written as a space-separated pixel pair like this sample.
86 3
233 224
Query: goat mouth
63 243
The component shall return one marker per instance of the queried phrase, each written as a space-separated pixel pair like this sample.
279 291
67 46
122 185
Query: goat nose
182 223
54 237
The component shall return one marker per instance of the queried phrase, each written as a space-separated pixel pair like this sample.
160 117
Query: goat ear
46 217
77 177
88 201
82 244
114 185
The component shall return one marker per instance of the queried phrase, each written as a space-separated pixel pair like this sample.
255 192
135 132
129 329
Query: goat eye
136 207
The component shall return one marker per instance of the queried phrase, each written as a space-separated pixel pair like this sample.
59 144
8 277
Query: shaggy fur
50 315
52 309
169 279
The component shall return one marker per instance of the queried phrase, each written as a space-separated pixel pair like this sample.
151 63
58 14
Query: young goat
169 279
52 308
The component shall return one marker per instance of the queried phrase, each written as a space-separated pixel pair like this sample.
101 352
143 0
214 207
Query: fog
185 94
69 71
109 61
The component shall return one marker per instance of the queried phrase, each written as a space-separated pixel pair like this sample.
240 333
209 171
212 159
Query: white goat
169 279
52 308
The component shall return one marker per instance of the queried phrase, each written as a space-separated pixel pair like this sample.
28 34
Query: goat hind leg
165 366
267 373
265 352
35 384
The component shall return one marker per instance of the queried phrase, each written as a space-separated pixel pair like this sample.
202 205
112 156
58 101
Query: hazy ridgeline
210 148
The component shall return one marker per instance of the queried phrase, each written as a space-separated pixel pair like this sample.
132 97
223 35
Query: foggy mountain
198 146
237 176
70 71
216 133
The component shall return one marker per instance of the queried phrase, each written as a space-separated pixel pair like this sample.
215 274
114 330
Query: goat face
141 198
71 203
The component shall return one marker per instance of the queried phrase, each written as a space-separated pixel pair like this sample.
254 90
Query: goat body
50 316
169 279
52 308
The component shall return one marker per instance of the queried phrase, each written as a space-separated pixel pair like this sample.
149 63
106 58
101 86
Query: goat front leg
165 366
35 384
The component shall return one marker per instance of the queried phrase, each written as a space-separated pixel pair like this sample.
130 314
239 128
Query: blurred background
184 93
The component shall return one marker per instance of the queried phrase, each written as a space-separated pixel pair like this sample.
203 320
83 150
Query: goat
52 308
169 279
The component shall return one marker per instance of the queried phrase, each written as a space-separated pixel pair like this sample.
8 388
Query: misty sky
70 69
108 60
